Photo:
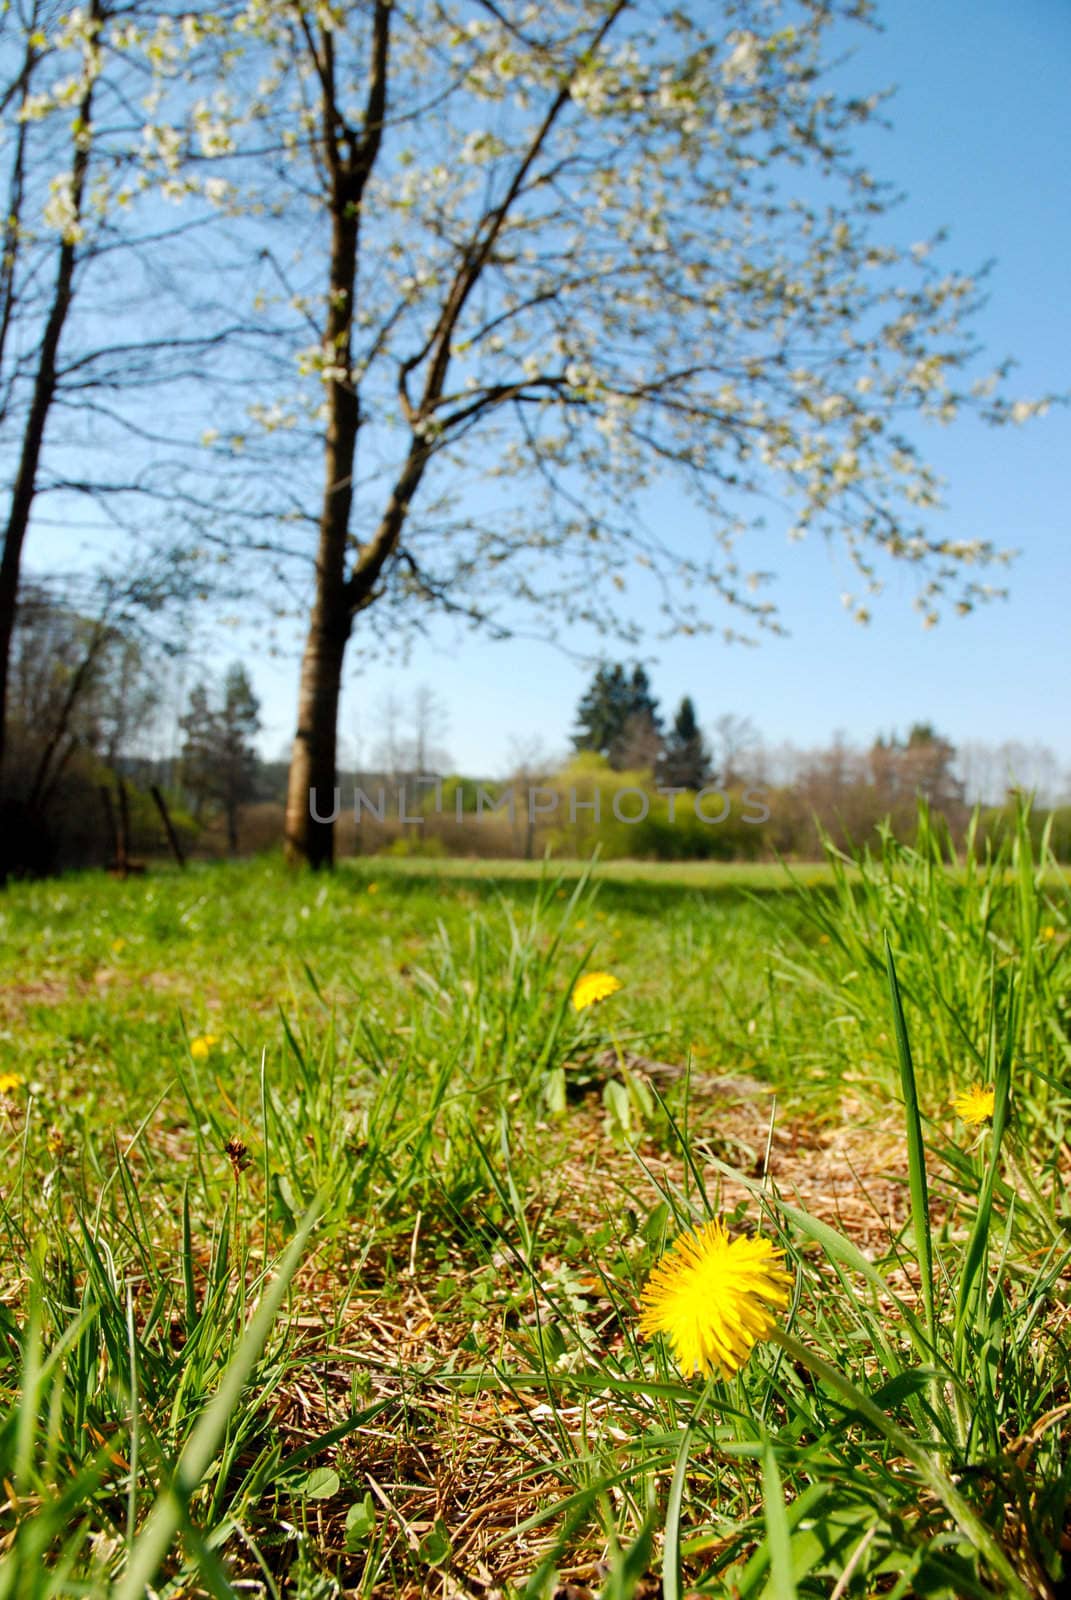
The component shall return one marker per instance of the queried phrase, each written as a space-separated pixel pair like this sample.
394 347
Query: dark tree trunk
111 832
349 159
169 827
44 388
122 854
313 763
340 597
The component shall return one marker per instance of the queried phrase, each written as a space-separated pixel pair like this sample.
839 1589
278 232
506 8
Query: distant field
758 876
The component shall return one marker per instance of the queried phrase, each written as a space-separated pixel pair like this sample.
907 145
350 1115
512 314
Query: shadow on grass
647 892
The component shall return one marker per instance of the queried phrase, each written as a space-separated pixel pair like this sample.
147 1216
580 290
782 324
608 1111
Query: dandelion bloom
593 987
202 1048
712 1297
975 1105
9 1081
373 888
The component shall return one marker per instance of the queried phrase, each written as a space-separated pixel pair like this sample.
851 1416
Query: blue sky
981 145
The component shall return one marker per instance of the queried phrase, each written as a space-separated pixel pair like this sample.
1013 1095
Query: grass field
328 1216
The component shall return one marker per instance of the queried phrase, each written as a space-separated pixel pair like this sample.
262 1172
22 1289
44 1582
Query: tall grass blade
974 1258
916 1148
782 1584
671 1555
171 1508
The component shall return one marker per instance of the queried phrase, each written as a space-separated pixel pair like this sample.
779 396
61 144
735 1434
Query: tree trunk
122 854
44 389
313 765
311 789
111 832
169 827
349 160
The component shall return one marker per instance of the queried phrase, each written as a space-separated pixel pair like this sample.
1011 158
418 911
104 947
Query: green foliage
634 820
966 931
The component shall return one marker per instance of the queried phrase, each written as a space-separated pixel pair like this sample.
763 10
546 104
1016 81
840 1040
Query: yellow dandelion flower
201 1048
711 1296
373 888
10 1080
975 1105
118 946
1048 932
593 987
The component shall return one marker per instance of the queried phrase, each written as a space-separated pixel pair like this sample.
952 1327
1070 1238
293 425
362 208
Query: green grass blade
170 1509
782 1584
671 1555
925 1464
974 1258
916 1148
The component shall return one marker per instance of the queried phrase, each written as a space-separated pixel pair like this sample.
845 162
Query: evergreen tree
642 702
239 726
618 717
219 759
686 761
603 711
198 726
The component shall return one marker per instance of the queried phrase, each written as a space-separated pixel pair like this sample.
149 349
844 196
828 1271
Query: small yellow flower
593 987
10 1080
373 888
975 1105
1048 932
711 1296
202 1047
118 946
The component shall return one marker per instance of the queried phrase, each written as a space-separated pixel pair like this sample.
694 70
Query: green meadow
327 1217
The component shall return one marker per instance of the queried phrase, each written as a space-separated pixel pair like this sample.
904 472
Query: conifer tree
686 760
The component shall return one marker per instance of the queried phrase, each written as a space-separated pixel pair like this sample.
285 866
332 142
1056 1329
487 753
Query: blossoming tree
581 248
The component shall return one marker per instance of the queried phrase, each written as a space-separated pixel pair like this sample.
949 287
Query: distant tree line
92 726
104 711
842 789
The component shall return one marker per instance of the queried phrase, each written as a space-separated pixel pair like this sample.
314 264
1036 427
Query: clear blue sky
981 144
